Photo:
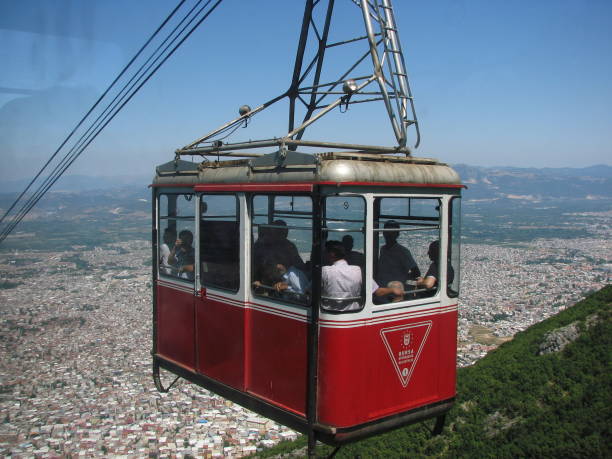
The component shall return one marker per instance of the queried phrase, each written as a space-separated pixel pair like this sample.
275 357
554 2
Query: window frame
176 192
363 297
239 249
453 229
442 200
252 225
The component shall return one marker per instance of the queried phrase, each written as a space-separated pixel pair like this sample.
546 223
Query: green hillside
519 401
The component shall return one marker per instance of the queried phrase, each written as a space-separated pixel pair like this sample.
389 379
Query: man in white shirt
340 280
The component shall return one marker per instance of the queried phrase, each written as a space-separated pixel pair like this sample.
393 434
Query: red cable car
317 289
366 362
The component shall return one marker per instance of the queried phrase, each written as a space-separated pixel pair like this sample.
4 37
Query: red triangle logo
404 344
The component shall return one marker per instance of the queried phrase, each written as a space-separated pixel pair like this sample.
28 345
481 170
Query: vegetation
5 284
79 263
517 403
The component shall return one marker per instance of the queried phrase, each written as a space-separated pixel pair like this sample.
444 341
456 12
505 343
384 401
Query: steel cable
91 133
92 109
111 110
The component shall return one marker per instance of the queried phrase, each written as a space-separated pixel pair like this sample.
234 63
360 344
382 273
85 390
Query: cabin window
219 241
343 245
176 229
454 247
406 248
281 247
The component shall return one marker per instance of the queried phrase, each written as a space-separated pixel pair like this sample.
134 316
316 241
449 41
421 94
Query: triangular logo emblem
404 344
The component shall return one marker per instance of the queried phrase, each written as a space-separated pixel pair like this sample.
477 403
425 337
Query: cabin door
219 296
174 295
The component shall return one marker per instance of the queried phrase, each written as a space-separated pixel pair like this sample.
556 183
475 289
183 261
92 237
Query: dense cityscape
75 337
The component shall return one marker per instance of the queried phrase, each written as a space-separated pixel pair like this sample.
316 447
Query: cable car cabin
318 290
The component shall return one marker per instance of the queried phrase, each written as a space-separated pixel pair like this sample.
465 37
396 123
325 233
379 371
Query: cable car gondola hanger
388 73
314 282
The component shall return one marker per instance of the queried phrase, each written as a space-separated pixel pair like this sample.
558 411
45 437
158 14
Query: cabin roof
295 167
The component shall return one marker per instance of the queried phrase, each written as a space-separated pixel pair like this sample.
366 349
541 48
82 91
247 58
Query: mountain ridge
468 173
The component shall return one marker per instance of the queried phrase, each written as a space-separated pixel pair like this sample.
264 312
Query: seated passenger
430 280
293 284
164 250
290 283
392 293
182 255
395 262
282 248
261 249
339 280
352 256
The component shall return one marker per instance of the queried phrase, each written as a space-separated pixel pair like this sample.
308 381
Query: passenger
261 249
352 256
392 293
339 280
268 277
430 280
182 255
272 246
290 283
293 281
395 262
164 250
282 248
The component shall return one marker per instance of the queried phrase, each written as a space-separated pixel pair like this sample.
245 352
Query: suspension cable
92 108
91 133
113 108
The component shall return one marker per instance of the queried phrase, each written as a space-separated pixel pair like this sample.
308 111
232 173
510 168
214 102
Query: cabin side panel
368 372
344 360
276 359
414 363
176 325
220 342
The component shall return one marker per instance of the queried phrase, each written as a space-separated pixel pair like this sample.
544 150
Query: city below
75 334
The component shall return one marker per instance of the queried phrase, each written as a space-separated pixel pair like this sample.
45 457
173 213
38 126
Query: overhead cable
156 59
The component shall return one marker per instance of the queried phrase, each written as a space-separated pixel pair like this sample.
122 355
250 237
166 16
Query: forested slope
546 393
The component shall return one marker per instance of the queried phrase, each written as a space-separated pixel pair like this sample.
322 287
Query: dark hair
186 236
392 224
336 249
348 241
169 236
434 250
270 274
281 232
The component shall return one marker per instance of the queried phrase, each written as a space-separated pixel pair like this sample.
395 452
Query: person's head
280 233
263 233
347 242
186 237
271 274
391 236
334 251
434 250
169 236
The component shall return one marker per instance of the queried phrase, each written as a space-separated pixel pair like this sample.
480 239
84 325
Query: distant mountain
483 182
82 183
536 185
546 393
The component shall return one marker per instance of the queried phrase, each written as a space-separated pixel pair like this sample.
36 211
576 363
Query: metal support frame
319 93
313 329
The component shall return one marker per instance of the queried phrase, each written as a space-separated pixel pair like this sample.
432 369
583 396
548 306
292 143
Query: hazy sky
496 82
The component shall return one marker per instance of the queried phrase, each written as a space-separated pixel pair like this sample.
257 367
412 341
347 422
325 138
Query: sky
496 83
